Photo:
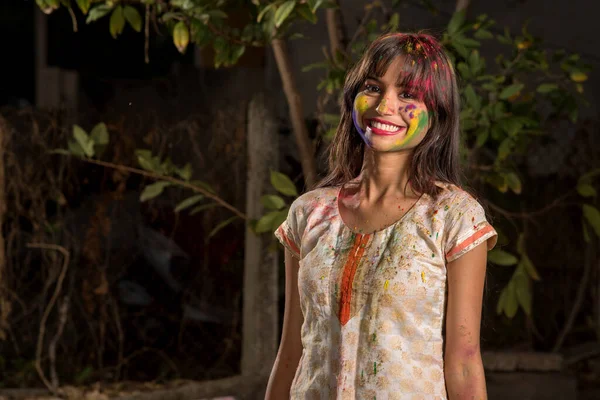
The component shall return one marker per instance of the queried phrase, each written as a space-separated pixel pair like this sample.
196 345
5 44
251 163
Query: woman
385 260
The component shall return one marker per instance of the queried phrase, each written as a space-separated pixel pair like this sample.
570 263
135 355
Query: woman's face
390 118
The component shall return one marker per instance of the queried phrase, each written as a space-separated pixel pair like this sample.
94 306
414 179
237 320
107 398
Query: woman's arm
463 368
290 348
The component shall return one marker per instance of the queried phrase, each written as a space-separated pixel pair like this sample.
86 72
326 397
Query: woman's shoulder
451 194
316 198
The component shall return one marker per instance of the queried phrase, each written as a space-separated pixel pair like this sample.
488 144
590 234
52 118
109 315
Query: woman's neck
385 174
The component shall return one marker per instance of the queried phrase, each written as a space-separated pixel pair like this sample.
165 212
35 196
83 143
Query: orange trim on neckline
356 253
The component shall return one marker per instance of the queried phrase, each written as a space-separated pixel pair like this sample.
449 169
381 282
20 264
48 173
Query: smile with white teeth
383 127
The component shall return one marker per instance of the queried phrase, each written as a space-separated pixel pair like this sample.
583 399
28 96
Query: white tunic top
374 304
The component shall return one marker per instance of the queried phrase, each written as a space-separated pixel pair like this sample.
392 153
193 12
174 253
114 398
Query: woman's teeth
383 127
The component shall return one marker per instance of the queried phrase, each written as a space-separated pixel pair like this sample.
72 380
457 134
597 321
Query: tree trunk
4 301
305 147
462 5
260 327
335 30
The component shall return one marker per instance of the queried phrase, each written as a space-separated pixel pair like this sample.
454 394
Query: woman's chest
387 270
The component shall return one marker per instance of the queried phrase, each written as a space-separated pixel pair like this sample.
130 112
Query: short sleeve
468 228
288 232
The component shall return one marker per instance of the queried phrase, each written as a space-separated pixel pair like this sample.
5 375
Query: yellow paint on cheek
386 284
423 278
361 104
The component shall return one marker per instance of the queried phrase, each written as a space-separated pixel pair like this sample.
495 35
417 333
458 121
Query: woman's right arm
290 348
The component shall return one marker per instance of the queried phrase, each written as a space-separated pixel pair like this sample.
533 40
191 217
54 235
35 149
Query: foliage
507 101
202 22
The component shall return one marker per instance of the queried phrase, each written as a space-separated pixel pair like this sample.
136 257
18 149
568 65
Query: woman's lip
381 132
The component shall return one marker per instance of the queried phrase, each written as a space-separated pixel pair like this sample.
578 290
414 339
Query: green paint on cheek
417 125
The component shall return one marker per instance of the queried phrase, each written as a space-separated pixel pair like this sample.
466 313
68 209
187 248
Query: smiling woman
381 301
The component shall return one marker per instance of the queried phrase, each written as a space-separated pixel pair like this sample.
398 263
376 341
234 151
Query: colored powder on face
423 278
361 105
382 107
417 124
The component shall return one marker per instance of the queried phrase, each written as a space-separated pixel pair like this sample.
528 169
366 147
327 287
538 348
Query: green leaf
117 22
521 249
153 190
306 13
217 14
87 145
511 90
272 202
283 184
512 305
483 34
467 42
586 190
186 172
262 12
588 176
502 301
265 223
84 375
84 5
133 17
97 13
315 4
514 183
181 36
586 232
456 22
315 66
482 137
501 257
529 267
99 134
592 215
511 125
473 100
547 87
505 149
236 52
190 201
523 292
283 12
62 152
475 62
203 207
222 225
147 162
75 148
204 186
578 76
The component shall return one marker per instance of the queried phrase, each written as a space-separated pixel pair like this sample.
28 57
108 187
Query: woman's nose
386 106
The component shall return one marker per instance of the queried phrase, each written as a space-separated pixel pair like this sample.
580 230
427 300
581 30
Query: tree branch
587 271
335 29
57 289
176 181
307 153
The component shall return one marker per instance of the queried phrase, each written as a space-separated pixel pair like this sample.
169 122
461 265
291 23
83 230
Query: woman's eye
406 95
371 88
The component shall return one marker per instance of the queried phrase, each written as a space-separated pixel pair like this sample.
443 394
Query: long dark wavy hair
429 74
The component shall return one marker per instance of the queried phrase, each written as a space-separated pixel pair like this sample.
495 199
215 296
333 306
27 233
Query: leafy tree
500 118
